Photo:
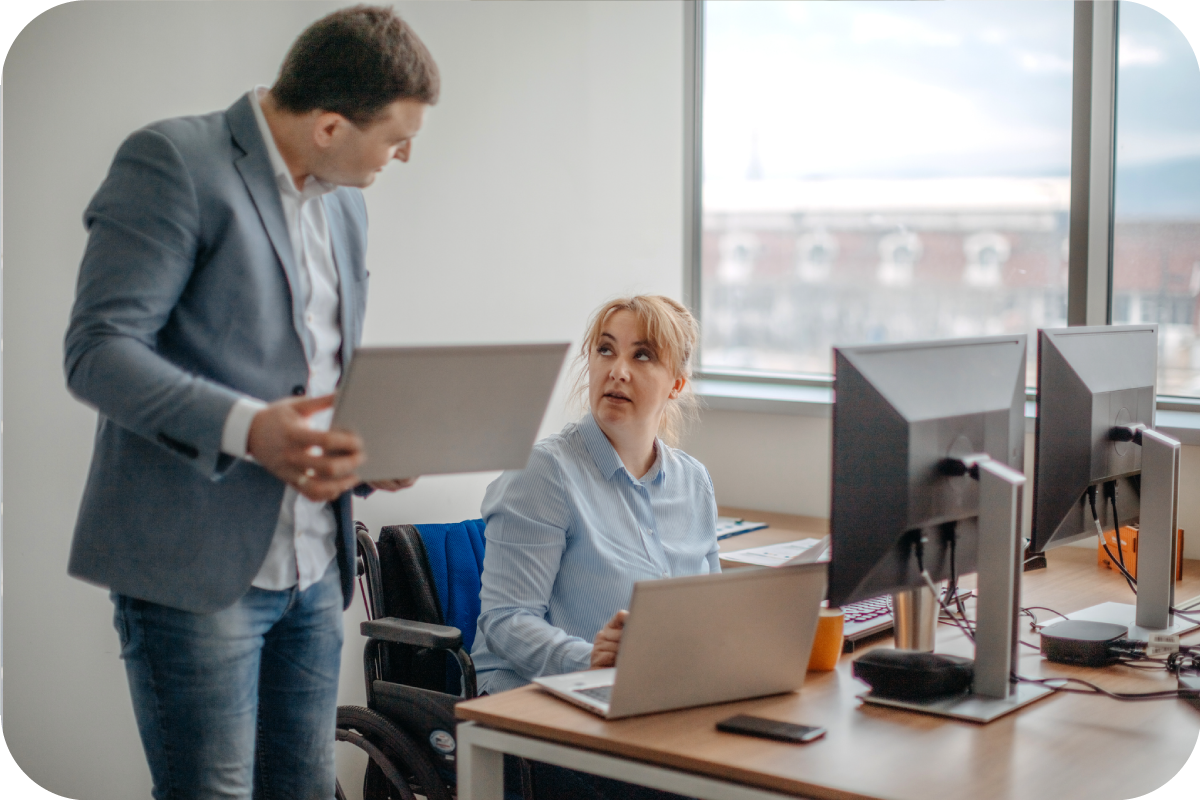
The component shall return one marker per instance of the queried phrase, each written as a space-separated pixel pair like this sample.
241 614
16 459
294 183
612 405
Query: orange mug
827 643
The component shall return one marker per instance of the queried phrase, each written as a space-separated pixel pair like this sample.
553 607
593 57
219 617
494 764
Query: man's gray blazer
188 299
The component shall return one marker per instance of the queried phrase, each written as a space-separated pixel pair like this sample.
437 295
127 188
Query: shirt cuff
236 433
578 657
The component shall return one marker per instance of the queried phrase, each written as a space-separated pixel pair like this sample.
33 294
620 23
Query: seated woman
601 505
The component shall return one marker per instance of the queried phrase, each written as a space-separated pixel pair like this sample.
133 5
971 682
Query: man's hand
320 464
394 485
608 642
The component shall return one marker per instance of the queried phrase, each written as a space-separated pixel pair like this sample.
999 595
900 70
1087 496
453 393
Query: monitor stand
1000 555
1156 547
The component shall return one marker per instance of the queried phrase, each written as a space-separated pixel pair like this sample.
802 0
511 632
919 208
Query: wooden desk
783 528
1063 746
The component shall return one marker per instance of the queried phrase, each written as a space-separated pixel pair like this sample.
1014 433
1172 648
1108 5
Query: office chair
416 666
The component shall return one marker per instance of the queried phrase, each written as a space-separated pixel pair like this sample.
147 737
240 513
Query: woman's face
628 386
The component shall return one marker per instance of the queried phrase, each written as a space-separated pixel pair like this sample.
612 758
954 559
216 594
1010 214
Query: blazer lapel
254 165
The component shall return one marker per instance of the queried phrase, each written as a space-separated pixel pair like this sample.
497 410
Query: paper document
732 526
782 554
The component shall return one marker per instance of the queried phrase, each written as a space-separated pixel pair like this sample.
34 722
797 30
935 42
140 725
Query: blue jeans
242 702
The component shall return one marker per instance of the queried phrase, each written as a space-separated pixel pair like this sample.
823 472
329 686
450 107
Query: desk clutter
1125 550
685 743
782 554
927 506
735 526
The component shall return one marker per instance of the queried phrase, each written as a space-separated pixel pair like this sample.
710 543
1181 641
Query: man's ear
326 127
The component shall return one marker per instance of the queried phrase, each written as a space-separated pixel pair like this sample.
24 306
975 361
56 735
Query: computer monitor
1096 448
901 412
928 444
1090 379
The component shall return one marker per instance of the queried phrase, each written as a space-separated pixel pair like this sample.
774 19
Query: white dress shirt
303 544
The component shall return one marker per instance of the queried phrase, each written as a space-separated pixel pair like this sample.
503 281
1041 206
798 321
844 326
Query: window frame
1090 260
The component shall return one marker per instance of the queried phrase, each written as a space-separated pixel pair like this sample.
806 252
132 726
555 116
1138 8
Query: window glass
881 171
1156 231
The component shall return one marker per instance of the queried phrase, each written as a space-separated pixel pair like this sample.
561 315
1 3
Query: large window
1156 231
882 171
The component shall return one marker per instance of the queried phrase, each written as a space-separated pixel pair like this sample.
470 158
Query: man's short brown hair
356 62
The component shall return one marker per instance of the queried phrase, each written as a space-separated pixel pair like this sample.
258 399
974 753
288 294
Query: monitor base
1125 614
969 707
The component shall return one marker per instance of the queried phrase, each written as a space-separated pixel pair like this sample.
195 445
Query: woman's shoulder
543 483
551 457
562 447
692 469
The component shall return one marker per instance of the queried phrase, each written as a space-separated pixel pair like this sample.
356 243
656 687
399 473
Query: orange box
1129 548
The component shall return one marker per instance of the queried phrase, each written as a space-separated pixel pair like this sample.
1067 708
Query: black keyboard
866 610
601 693
866 618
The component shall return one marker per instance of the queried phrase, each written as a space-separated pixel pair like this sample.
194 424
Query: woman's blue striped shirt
568 536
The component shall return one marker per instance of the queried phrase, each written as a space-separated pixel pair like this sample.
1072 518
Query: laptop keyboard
601 693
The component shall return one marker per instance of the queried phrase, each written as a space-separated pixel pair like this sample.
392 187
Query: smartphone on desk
770 729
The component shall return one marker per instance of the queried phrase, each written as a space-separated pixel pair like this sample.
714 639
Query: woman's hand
608 642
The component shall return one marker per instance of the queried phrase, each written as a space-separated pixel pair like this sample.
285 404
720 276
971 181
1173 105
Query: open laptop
705 639
446 409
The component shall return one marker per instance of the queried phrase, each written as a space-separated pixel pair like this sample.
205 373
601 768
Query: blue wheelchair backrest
455 553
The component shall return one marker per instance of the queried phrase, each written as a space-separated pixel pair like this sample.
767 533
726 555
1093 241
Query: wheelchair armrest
418 634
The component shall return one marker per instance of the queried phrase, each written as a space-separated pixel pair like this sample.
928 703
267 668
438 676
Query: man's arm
143 228
142 249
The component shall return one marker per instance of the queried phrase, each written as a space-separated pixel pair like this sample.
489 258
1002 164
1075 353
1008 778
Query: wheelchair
416 666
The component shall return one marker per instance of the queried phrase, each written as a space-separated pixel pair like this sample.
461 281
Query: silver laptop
705 639
448 409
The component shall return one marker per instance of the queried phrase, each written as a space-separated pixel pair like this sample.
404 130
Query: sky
888 89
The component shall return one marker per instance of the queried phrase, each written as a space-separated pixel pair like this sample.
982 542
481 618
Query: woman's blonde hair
671 331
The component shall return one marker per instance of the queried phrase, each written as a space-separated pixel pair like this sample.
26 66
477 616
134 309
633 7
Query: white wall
546 180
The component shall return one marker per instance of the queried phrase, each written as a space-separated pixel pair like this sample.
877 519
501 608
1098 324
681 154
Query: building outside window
882 172
1156 230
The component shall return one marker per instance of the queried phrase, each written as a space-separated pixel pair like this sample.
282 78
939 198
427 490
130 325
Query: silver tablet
446 409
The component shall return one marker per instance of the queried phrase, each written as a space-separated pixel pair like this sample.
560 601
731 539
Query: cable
950 532
1044 608
1171 694
1185 615
1110 490
961 625
919 552
1091 495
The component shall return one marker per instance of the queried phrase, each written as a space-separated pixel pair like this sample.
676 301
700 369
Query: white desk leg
480 770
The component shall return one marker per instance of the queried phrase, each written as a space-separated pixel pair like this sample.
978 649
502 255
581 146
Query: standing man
221 294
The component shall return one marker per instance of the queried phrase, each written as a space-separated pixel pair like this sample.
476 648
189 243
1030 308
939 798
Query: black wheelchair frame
407 729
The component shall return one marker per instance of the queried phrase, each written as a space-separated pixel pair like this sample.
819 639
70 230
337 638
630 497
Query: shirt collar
606 458
313 186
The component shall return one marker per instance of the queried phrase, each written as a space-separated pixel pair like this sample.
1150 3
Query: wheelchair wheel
397 769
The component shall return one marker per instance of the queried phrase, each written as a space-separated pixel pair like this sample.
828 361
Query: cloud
1131 53
994 35
796 12
876 27
1044 63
